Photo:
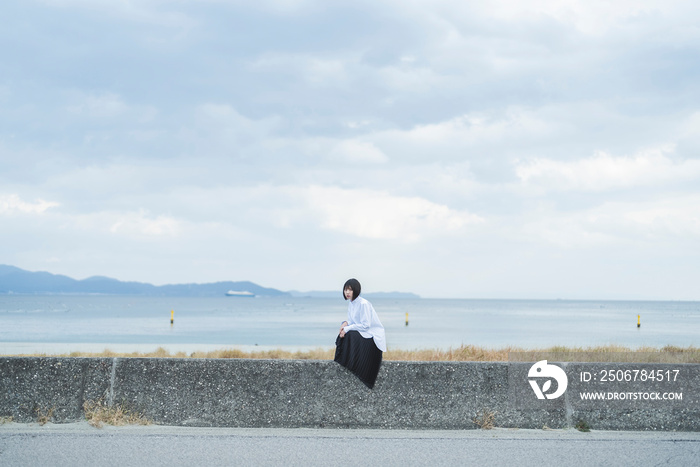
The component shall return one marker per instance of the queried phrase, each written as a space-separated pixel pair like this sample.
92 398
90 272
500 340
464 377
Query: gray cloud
504 149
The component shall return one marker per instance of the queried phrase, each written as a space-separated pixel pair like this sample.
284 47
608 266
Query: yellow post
172 316
638 321
407 318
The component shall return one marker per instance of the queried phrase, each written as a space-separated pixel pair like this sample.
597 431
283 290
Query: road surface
80 444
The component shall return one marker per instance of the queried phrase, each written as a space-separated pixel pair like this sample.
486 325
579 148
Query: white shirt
363 318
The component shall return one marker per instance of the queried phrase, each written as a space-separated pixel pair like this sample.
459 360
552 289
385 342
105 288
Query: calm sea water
67 323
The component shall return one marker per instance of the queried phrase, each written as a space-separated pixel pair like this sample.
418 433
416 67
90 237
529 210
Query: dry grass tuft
4 420
583 426
97 414
485 419
44 415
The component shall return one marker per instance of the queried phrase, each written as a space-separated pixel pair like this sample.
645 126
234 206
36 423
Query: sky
506 149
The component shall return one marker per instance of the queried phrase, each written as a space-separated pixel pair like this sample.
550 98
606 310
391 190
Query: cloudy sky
500 149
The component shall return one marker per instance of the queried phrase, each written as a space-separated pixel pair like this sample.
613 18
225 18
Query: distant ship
236 293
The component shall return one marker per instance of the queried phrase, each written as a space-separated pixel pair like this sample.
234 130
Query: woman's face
348 293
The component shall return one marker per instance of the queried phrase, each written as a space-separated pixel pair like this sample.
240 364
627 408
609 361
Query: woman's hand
342 329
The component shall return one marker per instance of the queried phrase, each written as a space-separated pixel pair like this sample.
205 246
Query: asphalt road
80 444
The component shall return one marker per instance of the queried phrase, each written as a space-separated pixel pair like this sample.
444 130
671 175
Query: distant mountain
16 280
338 294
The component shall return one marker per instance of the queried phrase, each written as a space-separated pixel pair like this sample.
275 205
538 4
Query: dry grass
97 413
464 353
611 353
44 415
160 352
4 420
315 354
485 419
582 425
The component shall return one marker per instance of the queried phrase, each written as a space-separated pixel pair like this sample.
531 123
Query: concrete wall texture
312 393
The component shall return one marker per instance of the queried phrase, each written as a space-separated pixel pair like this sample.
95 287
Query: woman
361 339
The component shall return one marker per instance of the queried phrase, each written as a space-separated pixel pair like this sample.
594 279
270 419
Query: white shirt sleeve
359 317
363 318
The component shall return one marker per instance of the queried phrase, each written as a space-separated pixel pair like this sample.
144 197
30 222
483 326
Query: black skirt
359 355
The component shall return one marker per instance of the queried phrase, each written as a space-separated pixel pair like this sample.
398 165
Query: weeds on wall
98 413
485 419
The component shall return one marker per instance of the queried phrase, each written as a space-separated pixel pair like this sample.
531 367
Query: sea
65 323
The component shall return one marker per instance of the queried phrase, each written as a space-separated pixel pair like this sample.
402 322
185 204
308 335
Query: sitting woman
361 340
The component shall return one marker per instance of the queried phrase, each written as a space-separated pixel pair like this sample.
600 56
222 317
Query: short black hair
354 284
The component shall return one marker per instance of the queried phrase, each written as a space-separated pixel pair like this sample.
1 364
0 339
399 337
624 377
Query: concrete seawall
311 393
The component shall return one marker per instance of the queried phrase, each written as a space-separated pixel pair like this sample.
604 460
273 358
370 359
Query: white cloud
229 125
12 203
604 172
671 217
689 128
469 132
143 11
314 70
105 105
111 107
407 78
357 124
627 225
141 223
377 215
589 16
358 151
132 225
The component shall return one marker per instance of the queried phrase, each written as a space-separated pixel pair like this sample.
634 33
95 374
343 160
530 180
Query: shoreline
65 348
